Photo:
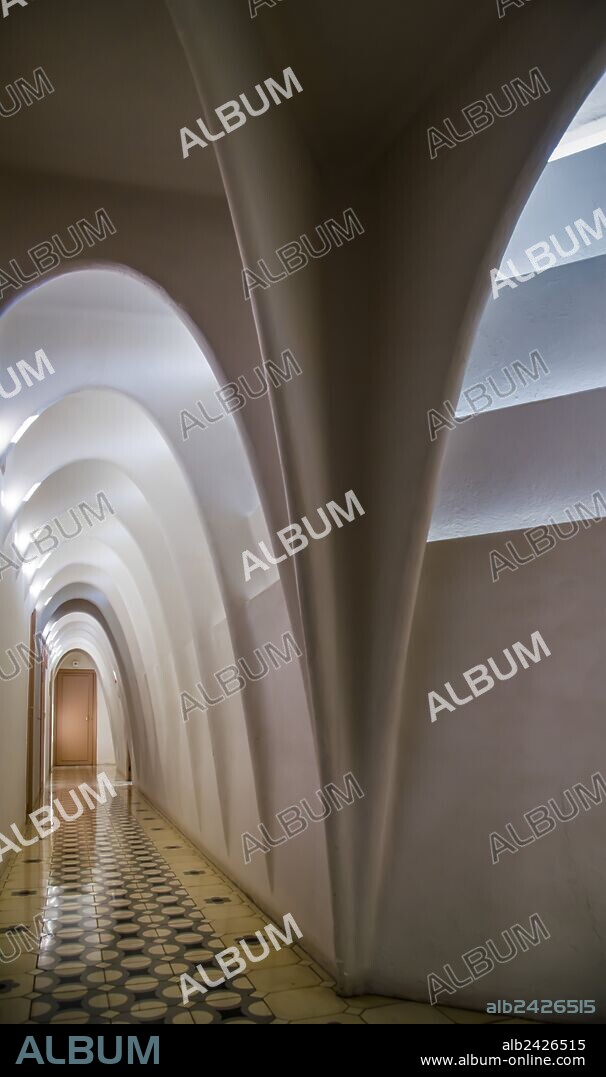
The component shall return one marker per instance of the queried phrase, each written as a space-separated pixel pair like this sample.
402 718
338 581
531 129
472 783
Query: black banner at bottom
426 1047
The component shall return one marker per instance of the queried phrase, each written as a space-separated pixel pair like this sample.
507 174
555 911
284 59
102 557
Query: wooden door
75 724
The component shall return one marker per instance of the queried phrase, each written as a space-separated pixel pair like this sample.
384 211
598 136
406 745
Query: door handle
87 718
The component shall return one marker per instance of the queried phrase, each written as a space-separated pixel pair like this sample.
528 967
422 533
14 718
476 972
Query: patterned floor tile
116 925
405 1013
308 1002
99 921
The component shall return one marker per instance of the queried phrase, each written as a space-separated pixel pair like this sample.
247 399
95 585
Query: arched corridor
127 539
301 379
119 905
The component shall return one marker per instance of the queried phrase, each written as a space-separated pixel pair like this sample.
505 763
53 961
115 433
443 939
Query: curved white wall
167 561
382 328
528 460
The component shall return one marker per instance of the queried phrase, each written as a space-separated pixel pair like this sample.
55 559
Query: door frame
71 673
43 680
31 695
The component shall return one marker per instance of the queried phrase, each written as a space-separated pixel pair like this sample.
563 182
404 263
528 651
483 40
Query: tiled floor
125 904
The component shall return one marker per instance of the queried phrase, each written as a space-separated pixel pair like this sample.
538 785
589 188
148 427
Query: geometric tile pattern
126 905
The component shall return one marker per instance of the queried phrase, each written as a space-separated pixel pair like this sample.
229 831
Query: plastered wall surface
383 330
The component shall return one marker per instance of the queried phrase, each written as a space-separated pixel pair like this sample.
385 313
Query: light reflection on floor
125 905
